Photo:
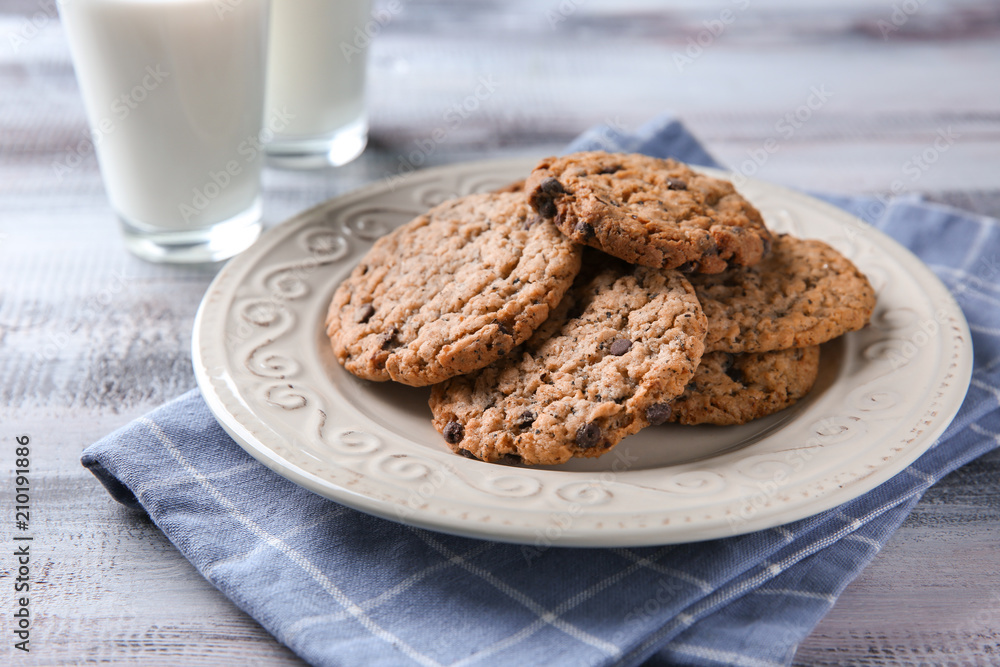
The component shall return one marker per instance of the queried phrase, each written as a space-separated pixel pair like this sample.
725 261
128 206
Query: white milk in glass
174 92
316 79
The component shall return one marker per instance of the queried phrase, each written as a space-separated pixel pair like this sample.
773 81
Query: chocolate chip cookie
737 388
804 293
621 345
451 291
648 211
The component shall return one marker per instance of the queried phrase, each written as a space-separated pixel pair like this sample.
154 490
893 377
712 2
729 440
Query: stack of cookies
605 294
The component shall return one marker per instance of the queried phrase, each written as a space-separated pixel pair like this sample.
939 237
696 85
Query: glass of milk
316 81
174 93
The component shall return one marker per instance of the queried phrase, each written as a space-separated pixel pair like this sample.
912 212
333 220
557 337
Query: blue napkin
343 588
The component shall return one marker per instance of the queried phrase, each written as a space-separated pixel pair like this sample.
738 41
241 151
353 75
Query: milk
174 94
316 75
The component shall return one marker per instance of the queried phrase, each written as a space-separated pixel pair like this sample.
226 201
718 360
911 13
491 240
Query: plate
883 396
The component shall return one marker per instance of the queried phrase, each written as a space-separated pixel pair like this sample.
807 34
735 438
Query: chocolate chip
676 184
689 267
545 207
385 338
584 229
620 346
658 413
509 459
453 433
525 421
588 435
551 186
467 454
364 313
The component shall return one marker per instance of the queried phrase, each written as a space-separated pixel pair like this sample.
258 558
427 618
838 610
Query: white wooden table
91 337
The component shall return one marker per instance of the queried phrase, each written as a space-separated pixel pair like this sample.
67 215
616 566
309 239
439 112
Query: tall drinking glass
316 81
174 92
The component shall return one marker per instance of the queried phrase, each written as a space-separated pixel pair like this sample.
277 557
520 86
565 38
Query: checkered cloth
343 588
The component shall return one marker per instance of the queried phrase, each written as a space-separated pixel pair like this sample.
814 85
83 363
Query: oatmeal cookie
451 291
621 345
804 293
737 388
648 211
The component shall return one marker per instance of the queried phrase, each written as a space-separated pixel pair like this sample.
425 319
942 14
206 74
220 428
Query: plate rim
524 534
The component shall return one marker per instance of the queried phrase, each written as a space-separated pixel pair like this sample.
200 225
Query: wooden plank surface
91 337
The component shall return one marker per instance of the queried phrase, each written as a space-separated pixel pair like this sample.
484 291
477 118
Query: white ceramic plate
883 396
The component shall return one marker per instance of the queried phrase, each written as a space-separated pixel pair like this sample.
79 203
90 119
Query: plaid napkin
343 588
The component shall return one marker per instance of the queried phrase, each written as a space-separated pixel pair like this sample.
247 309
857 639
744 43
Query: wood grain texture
91 337
932 596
